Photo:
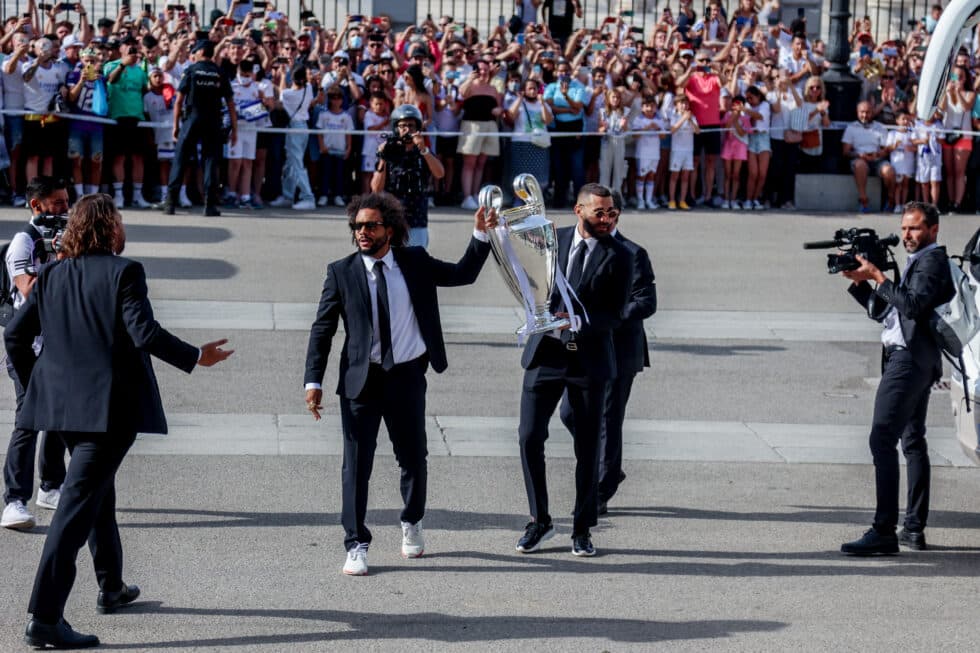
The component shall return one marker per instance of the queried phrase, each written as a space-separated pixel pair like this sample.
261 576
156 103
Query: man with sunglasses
375 48
579 364
385 293
703 90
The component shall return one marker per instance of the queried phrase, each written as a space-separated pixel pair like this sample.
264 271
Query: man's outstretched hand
212 353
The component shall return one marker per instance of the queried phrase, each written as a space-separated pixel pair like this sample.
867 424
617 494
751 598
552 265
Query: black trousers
782 172
543 389
86 511
900 416
398 397
18 469
611 434
193 132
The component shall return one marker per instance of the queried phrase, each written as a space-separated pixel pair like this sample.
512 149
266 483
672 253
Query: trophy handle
491 197
527 188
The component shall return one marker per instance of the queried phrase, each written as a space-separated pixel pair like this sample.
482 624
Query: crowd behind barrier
719 105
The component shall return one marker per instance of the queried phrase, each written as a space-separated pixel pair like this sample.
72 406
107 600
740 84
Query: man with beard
911 363
598 268
385 293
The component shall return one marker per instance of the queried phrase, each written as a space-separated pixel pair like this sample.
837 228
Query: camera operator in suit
598 268
94 383
911 363
632 355
385 293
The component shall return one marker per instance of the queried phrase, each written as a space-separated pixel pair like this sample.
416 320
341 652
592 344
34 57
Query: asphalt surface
243 552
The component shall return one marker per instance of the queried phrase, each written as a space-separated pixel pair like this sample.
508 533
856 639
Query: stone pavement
745 444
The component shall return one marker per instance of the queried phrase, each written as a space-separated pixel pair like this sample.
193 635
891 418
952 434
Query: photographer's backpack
956 323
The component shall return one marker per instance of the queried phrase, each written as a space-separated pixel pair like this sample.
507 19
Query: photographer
911 362
25 255
405 166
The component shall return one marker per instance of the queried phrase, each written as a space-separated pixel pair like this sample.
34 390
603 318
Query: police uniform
204 90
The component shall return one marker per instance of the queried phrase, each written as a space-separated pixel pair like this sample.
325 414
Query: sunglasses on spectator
702 60
888 76
375 44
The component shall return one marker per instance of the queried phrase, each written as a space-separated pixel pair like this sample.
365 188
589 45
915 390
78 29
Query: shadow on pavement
435 626
716 350
166 267
143 233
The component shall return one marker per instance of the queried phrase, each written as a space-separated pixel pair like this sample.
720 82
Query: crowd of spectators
717 105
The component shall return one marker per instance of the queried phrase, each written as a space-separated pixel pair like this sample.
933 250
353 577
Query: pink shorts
964 143
734 150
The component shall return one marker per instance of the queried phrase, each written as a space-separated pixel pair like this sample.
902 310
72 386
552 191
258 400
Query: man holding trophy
580 269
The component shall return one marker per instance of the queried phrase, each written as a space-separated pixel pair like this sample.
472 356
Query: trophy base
543 325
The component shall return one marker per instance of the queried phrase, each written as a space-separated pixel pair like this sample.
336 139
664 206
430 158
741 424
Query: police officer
197 120
405 166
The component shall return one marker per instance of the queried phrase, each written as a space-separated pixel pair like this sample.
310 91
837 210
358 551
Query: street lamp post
843 87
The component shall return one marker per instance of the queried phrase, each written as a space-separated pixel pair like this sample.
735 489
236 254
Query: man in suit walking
94 383
911 363
385 293
597 267
632 355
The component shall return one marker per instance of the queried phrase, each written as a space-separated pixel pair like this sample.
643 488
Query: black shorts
707 142
265 141
592 147
446 146
126 139
47 138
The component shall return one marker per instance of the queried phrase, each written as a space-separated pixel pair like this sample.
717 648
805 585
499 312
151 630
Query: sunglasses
888 76
599 214
335 97
375 45
702 60
370 226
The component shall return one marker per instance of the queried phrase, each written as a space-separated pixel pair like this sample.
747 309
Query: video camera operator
404 168
911 363
25 254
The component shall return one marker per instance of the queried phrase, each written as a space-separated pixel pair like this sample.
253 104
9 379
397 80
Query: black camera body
858 241
52 227
394 147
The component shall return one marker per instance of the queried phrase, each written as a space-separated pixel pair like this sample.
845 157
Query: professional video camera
51 226
862 242
394 147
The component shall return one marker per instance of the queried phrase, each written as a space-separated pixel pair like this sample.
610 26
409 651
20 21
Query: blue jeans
418 237
294 175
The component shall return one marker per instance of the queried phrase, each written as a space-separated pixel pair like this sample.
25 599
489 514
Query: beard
592 230
376 246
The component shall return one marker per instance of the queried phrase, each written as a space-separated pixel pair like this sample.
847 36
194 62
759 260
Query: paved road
746 459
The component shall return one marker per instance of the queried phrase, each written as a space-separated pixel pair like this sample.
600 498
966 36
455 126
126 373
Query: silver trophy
525 246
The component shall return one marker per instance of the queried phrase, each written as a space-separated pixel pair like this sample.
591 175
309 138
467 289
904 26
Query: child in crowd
647 152
902 153
334 148
735 151
241 155
683 127
613 122
929 158
375 120
158 104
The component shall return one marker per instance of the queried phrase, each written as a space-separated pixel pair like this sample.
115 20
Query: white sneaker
281 202
356 564
322 201
118 200
716 201
640 204
339 201
652 205
48 498
757 205
432 203
736 206
898 209
304 205
470 204
185 202
413 544
19 201
139 202
726 205
17 517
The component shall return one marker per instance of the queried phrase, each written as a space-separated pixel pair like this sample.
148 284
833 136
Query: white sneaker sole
46 505
583 554
351 572
19 526
537 546
408 553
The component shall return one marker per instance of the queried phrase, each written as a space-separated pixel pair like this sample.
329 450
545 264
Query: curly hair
92 227
392 215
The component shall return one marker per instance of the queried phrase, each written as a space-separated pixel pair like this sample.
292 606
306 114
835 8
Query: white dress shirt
892 335
406 337
590 244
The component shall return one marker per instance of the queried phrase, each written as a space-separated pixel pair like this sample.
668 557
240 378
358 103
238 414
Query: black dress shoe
59 635
211 211
534 534
871 543
109 602
912 539
582 545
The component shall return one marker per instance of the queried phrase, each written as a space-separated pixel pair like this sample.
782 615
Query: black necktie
578 265
384 316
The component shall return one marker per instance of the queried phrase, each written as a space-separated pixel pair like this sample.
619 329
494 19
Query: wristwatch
424 151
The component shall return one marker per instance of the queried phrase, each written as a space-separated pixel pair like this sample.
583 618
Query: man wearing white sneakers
24 255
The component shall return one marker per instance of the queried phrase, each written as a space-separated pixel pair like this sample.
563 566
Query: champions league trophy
525 246
954 25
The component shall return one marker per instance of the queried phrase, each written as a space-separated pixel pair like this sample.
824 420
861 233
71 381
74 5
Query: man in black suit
632 355
598 268
386 295
911 363
94 383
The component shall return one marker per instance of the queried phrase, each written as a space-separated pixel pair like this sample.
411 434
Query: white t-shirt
762 125
523 127
156 108
779 121
20 256
373 140
336 143
793 66
901 159
931 153
42 87
683 138
13 88
244 95
865 139
296 104
647 143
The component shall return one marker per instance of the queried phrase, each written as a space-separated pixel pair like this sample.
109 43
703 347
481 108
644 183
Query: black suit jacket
926 284
630 340
345 296
604 291
94 373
